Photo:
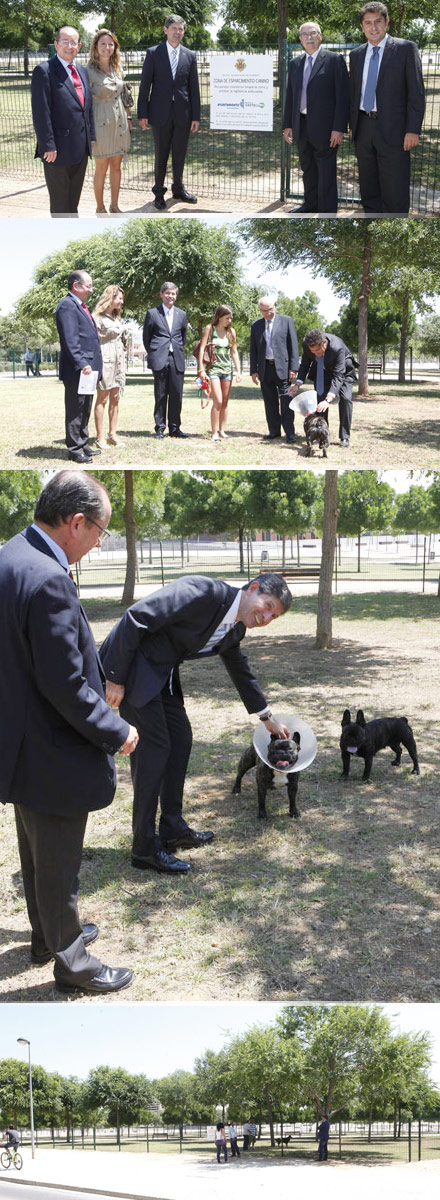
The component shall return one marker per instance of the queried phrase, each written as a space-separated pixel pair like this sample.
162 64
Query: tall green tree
122 1096
137 499
365 504
19 491
414 513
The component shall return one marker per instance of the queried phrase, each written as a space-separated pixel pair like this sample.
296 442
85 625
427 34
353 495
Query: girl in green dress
222 335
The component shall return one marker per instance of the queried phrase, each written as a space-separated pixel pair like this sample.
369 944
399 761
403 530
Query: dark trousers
234 1148
78 409
384 171
29 369
276 402
323 1150
64 184
169 137
345 405
168 389
245 1141
50 853
158 767
318 168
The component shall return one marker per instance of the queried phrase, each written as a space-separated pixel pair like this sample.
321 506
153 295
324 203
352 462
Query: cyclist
13 1142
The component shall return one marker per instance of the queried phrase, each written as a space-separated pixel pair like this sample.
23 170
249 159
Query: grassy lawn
398 426
342 905
355 1149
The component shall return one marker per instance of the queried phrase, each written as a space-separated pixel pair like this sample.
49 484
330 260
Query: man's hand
130 742
292 375
86 370
335 138
273 726
322 406
294 389
288 136
255 378
143 122
114 693
194 126
410 140
50 155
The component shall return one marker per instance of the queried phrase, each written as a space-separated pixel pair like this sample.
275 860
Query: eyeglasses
105 533
65 42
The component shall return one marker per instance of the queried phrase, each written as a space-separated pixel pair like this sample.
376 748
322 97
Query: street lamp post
25 1042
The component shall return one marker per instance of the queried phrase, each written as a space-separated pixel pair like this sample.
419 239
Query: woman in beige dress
111 115
107 315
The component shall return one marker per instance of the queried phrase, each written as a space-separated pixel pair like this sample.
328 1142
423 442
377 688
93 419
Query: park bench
373 365
306 574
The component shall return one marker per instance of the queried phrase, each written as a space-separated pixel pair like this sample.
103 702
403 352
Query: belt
373 115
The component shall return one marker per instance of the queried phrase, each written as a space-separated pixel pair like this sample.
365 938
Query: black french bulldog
365 738
284 1140
317 434
282 754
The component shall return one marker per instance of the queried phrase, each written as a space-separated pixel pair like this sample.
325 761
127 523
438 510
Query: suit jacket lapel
66 78
318 63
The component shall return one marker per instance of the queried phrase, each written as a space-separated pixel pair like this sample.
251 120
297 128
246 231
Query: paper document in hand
87 383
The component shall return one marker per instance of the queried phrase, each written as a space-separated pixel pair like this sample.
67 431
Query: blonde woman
107 314
111 112
222 335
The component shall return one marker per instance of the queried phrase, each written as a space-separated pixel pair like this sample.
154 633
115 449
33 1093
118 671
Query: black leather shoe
159 433
108 979
271 437
160 861
184 195
79 457
290 438
302 209
344 442
160 203
179 433
90 934
190 840
91 453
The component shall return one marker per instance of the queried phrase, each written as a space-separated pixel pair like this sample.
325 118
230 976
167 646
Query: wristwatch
266 717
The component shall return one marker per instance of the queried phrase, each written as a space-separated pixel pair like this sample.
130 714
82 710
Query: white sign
242 91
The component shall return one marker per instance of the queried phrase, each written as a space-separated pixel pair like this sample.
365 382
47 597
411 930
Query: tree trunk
241 548
282 34
26 47
130 536
359 551
363 301
182 551
325 607
270 1114
297 550
370 1119
403 336
283 558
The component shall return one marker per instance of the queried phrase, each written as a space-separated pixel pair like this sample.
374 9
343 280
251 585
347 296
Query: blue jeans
221 1146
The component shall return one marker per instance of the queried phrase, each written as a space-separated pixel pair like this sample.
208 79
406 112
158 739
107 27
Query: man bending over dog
328 362
192 617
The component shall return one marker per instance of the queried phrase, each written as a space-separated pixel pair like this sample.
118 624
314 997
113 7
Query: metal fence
348 1140
404 564
224 165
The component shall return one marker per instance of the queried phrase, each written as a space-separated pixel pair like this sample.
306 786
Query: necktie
269 350
305 83
320 376
174 57
77 83
84 306
370 86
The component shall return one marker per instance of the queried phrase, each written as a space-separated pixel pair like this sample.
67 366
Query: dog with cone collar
282 755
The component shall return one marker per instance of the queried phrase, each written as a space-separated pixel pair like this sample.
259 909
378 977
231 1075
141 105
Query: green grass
396 427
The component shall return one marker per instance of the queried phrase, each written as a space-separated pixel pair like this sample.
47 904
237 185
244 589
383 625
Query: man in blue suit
80 355
387 105
63 121
57 734
169 101
315 117
165 329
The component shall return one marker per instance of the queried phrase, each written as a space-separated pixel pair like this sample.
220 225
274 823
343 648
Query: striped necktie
305 83
370 86
76 83
174 57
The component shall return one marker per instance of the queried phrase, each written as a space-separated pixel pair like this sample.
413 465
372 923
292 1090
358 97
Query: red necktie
77 83
84 306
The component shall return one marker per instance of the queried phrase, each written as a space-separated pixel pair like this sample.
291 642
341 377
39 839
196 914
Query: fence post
148 1144
282 99
281 1128
94 1137
340 1140
424 563
409 1140
13 364
420 1139
181 1138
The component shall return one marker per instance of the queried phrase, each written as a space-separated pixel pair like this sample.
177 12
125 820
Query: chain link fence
224 165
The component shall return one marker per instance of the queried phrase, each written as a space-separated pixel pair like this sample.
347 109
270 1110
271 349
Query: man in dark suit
80 354
328 362
387 105
273 364
62 113
169 101
57 734
315 117
189 618
164 337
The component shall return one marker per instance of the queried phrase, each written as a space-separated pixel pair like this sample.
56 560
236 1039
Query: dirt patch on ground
342 905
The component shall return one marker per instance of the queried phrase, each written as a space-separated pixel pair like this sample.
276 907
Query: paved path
175 1177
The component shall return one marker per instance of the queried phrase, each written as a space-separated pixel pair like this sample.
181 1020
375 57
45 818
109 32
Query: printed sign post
242 91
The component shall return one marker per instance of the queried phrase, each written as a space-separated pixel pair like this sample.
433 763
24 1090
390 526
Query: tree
353 255
266 1073
414 513
178 1096
137 499
428 335
330 525
201 259
30 23
364 504
19 491
124 1097
305 312
290 497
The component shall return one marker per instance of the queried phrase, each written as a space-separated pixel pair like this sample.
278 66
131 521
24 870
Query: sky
156 1039
26 242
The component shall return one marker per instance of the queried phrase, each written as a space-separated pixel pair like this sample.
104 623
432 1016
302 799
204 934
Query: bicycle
11 1156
